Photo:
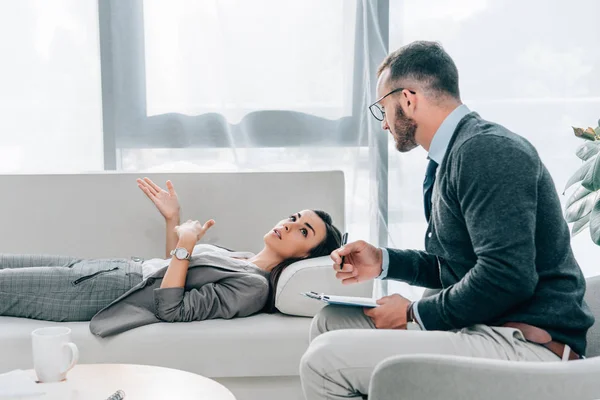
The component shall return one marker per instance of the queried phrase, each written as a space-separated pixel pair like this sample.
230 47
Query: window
535 70
51 92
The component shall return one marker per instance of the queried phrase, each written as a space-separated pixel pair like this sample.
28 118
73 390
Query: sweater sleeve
237 296
414 267
495 179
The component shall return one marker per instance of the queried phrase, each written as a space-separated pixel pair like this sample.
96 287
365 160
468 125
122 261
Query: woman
198 282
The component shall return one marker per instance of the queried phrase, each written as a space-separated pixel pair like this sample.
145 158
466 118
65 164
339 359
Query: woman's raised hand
194 227
166 201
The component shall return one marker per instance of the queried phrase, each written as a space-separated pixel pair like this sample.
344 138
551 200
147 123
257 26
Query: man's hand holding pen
359 262
362 262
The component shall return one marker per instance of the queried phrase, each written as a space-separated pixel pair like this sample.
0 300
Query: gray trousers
60 288
339 364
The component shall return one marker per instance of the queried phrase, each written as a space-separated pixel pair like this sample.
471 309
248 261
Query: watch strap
410 315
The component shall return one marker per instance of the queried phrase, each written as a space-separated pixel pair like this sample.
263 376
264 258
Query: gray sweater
497 242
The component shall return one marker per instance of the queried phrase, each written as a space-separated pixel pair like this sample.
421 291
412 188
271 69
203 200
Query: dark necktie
428 187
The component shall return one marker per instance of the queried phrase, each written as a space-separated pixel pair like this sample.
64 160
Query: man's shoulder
477 135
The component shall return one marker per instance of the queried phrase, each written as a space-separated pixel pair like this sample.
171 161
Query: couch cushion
316 275
260 345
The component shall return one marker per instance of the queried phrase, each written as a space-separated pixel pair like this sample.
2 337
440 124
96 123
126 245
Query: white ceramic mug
53 353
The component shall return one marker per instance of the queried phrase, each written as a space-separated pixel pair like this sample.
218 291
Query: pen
344 241
118 395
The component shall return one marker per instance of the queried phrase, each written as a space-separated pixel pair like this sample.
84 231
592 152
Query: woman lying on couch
198 281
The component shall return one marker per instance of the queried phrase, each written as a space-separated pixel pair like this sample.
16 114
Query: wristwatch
410 315
181 253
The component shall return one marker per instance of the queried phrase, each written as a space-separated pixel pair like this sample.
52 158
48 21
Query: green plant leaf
578 194
581 207
580 225
588 149
595 223
591 181
580 174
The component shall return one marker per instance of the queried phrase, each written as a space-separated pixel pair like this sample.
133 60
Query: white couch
106 215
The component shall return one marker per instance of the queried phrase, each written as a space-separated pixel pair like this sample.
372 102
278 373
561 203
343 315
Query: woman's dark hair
332 241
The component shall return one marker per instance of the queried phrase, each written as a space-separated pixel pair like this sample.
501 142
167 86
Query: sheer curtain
264 85
237 57
50 96
532 66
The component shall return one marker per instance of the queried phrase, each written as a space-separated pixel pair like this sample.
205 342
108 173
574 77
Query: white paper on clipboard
342 300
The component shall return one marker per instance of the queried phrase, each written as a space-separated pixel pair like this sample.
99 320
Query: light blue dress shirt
437 151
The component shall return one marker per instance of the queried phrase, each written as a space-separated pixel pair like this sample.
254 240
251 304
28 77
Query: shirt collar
441 139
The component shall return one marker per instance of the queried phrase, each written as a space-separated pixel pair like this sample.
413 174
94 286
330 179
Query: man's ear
410 103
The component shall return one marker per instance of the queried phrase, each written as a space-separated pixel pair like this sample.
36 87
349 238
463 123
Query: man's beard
404 132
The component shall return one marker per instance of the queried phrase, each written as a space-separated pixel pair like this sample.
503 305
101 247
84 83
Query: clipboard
343 300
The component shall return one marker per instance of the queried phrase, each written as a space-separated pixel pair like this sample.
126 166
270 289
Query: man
496 245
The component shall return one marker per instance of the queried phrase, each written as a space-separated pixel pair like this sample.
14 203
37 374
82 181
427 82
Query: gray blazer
225 291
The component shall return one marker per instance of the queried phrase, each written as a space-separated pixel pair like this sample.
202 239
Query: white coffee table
99 381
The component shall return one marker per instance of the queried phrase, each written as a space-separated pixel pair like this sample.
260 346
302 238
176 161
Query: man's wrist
385 263
410 315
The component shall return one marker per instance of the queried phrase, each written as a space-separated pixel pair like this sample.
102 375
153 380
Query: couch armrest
434 377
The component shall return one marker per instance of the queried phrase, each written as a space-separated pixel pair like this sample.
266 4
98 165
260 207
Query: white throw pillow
316 275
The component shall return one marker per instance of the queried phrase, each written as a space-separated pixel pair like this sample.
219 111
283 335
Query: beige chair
434 377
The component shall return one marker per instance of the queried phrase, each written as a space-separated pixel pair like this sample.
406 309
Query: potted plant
583 206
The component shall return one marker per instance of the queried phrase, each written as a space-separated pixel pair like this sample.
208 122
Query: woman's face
296 236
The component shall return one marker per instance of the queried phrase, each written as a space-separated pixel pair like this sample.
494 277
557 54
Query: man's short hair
424 62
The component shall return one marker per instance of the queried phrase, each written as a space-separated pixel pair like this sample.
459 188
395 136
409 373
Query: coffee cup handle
74 355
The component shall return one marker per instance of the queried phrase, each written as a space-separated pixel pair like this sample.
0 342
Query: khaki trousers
345 347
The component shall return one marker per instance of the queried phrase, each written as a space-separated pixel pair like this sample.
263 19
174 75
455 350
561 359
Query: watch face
181 254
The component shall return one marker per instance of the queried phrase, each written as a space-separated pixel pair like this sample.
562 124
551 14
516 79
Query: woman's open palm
165 200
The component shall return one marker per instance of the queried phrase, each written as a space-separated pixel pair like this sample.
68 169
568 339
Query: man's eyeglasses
376 109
